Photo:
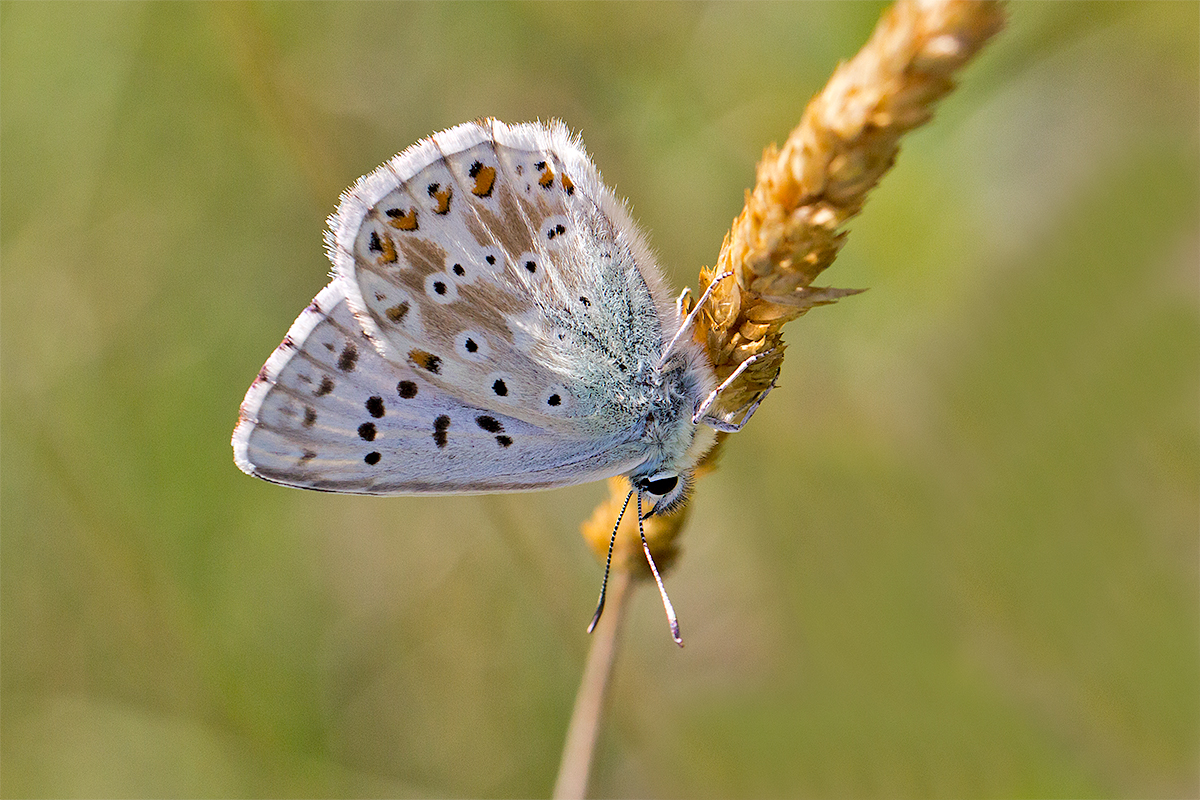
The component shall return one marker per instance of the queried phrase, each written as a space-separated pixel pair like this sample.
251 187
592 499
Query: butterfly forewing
329 412
490 248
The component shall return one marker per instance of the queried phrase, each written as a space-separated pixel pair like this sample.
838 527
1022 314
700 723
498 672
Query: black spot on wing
489 424
440 426
349 357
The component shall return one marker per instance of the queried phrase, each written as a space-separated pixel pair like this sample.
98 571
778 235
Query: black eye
661 486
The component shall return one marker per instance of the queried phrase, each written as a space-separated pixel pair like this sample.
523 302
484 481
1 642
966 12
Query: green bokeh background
955 554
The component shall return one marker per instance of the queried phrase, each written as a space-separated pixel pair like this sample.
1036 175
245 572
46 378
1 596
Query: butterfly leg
681 302
691 317
702 409
745 412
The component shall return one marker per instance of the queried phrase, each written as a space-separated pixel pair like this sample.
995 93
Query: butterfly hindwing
328 412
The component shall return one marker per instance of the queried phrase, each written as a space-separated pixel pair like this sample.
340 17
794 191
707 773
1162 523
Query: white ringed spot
440 288
472 345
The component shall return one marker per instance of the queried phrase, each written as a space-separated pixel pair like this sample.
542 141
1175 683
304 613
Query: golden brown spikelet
791 227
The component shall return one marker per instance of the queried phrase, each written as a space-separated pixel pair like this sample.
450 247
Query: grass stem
584 729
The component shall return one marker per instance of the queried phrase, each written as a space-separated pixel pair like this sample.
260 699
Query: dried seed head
791 227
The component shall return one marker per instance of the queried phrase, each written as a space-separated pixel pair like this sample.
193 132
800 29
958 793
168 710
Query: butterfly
495 323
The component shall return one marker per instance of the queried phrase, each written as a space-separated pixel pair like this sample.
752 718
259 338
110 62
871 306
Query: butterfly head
675 443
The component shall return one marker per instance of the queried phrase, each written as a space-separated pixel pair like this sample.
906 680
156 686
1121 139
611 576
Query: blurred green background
956 553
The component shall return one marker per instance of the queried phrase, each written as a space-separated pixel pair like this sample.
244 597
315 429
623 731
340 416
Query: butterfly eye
661 486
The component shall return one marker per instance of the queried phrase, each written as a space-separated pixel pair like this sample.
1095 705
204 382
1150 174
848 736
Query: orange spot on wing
485 179
402 220
388 256
397 312
547 178
442 196
426 361
568 184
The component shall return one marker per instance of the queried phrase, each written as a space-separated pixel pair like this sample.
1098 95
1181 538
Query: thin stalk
580 746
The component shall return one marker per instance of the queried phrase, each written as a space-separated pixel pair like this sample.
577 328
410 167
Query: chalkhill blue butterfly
495 323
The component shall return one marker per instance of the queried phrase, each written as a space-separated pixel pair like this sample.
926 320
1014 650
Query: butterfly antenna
672 620
608 561
691 317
